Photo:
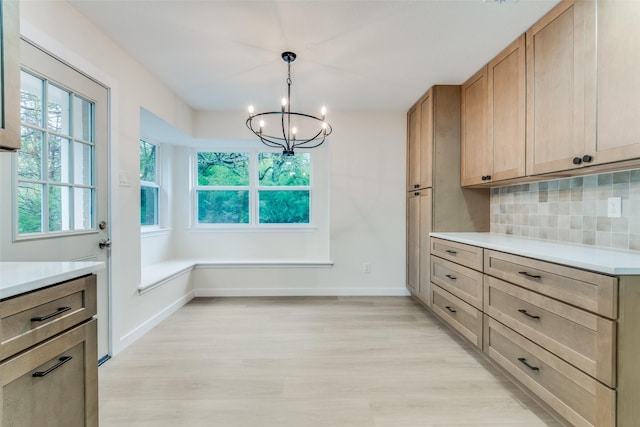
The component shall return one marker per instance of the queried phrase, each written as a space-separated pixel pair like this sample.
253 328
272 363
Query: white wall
366 187
366 179
58 28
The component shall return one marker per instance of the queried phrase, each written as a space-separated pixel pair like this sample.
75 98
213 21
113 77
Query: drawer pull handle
533 316
529 275
450 309
449 251
450 276
524 362
50 315
61 361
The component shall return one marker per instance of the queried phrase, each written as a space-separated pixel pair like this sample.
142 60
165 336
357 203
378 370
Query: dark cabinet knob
416 186
587 158
417 193
577 160
486 177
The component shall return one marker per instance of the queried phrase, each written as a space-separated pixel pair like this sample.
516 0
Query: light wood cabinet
456 288
591 291
613 128
493 119
419 227
10 75
476 159
556 90
445 206
462 317
48 362
54 383
585 340
420 144
460 281
568 335
507 112
575 396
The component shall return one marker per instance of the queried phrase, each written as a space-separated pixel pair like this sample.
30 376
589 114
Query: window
55 166
149 183
252 188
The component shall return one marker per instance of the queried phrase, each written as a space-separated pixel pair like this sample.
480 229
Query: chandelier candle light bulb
291 137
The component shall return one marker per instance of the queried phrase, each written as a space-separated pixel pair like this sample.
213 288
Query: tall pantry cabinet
436 202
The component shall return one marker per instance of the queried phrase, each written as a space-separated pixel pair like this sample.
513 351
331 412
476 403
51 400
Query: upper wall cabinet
10 75
556 90
419 144
616 118
476 157
493 119
507 111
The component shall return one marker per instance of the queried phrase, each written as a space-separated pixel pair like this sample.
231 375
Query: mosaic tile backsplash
572 210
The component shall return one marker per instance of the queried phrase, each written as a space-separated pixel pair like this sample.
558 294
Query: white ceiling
352 55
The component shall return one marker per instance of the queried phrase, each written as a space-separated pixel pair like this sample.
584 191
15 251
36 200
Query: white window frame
154 184
253 188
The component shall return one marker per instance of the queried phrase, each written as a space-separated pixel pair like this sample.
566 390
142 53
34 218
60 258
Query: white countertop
20 277
608 261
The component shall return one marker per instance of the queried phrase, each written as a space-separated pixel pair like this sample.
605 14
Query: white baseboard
152 322
289 292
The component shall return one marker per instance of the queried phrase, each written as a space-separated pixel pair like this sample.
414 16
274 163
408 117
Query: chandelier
287 129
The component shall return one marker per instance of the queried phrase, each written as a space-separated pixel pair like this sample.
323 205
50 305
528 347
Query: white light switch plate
614 207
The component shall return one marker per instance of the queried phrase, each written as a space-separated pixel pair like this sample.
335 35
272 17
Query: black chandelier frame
289 139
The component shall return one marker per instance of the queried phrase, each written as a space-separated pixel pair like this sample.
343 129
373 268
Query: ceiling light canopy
288 129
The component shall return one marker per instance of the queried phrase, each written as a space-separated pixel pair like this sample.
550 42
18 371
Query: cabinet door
618 84
53 384
476 156
424 290
426 139
413 148
10 75
507 99
555 90
413 242
418 229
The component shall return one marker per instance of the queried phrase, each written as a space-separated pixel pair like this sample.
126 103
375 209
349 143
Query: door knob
104 243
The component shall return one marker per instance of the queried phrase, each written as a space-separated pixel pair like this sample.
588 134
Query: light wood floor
305 362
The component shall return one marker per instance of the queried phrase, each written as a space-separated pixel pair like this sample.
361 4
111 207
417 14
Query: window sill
254 229
154 231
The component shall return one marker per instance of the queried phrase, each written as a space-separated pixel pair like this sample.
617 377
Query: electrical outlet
366 267
614 207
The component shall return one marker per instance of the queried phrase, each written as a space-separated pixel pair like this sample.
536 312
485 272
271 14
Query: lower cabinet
462 317
568 335
55 381
48 357
576 396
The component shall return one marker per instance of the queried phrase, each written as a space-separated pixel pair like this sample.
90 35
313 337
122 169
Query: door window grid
55 167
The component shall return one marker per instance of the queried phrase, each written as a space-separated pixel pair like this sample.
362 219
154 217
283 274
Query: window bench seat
157 274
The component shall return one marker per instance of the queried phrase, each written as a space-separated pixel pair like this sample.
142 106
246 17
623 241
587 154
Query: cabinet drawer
462 282
594 292
461 316
30 318
583 339
577 397
467 255
33 382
